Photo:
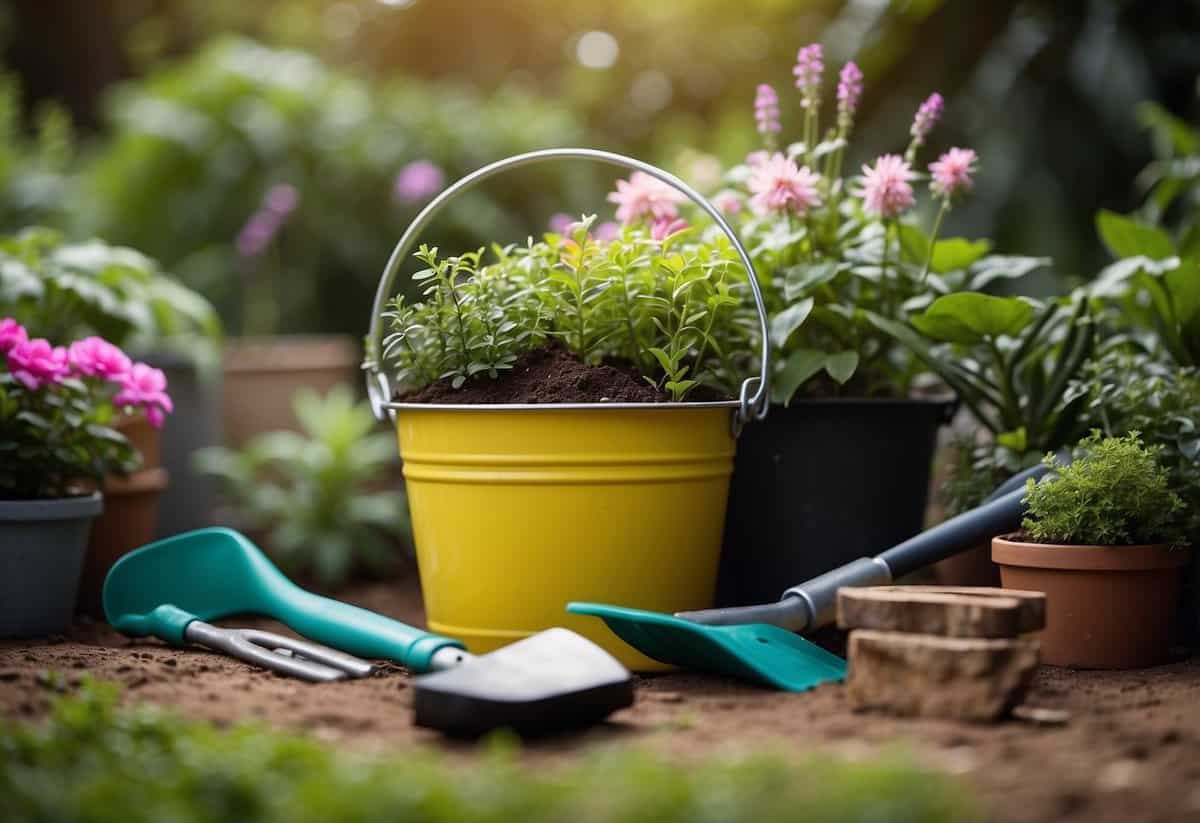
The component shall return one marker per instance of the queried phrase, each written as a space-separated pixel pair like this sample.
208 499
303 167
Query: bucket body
823 482
516 512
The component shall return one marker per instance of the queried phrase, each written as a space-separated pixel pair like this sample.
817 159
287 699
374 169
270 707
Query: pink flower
664 227
727 202
644 196
766 110
607 231
756 158
927 115
96 357
808 69
257 234
560 222
779 186
850 86
886 187
282 199
35 363
418 181
951 173
12 333
146 387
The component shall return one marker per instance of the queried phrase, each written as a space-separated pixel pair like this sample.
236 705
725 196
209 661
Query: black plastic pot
42 546
821 483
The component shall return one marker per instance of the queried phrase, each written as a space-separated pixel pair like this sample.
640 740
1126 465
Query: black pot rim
58 508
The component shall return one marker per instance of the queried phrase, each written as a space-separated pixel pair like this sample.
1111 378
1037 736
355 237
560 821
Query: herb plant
57 410
668 309
831 248
316 495
61 290
93 760
1114 493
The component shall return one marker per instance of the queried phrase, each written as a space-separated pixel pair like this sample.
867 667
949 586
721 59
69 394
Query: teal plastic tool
756 652
162 588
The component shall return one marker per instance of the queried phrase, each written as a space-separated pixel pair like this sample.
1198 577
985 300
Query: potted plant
561 416
808 493
315 497
63 290
1103 538
57 444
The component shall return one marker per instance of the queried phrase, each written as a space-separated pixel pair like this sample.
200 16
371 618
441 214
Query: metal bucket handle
753 398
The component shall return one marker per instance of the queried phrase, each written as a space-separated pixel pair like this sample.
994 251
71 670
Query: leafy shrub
61 290
34 169
1115 493
671 309
92 761
316 495
196 147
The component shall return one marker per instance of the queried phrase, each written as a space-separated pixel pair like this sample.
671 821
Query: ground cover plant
94 761
317 496
664 308
1114 493
58 406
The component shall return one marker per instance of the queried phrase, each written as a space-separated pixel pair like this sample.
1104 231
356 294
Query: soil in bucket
551 374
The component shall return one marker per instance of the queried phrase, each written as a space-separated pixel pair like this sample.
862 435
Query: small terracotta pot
144 438
262 375
1107 607
974 567
130 512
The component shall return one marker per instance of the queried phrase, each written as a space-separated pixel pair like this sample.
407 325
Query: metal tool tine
231 642
351 665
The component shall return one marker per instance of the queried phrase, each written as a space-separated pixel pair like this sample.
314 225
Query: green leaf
1126 237
1016 440
969 317
841 366
799 279
914 243
797 369
956 253
784 324
1003 267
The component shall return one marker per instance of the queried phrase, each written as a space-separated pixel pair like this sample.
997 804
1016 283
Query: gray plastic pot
42 546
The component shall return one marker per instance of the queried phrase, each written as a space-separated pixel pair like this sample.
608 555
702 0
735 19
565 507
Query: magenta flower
951 173
35 363
927 116
282 199
145 387
417 182
664 227
727 202
12 333
808 69
849 90
607 231
96 357
887 187
644 196
257 234
560 222
778 185
766 110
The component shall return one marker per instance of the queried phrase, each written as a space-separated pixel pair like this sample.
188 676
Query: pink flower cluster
778 185
766 110
887 187
643 196
35 364
277 206
810 64
927 116
417 182
950 174
849 90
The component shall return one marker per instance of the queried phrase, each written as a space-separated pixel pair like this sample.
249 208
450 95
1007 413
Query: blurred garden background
224 137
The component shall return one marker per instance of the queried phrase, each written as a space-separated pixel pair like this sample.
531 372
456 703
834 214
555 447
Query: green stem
933 236
885 283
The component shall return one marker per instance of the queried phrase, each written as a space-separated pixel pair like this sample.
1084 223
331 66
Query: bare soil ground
1130 750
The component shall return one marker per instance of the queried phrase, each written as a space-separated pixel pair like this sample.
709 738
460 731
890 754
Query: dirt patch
551 374
1130 751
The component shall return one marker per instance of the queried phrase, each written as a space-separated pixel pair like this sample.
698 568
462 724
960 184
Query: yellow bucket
517 512
518 509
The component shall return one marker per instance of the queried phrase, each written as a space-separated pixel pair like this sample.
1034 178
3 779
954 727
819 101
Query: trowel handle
360 632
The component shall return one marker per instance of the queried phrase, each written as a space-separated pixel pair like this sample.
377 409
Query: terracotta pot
262 375
1107 607
974 567
143 437
130 511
